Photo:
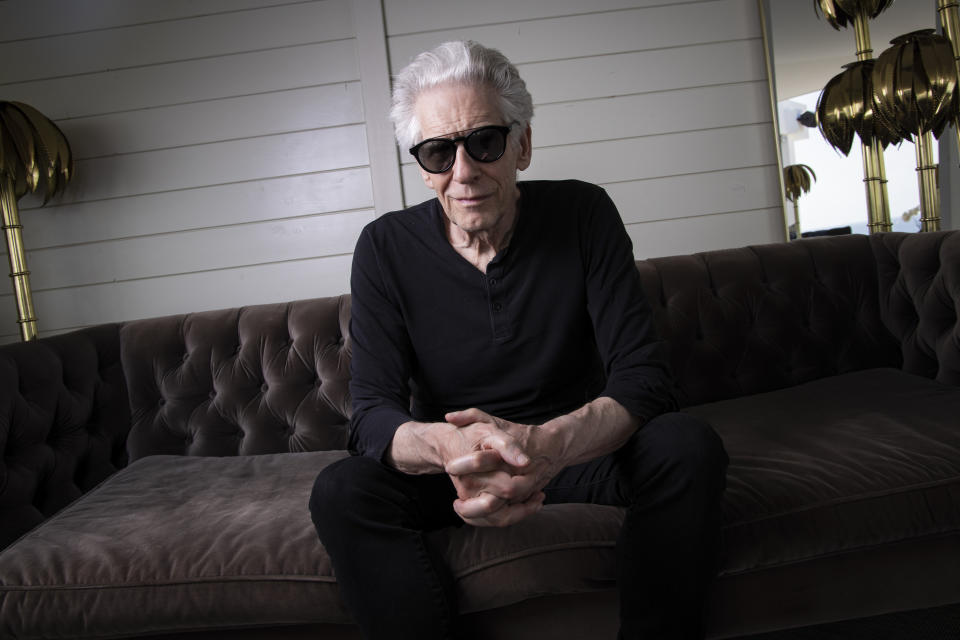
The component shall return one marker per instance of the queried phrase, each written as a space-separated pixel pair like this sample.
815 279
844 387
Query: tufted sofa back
263 379
745 321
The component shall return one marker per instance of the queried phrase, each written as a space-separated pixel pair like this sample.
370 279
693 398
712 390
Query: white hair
460 62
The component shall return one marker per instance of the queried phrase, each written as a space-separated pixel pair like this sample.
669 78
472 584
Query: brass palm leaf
840 13
797 180
915 84
33 151
845 108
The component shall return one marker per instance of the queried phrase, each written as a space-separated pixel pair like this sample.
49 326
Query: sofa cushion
843 498
176 543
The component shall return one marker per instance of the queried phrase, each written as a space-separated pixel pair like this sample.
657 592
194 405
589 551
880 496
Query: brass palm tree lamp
915 90
34 156
845 108
840 13
797 180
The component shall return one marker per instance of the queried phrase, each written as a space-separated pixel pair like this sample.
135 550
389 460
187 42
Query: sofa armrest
64 418
919 276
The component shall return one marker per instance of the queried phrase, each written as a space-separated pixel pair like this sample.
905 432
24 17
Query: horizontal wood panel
222 162
21 19
412 16
696 194
705 233
190 81
654 156
597 34
638 158
197 208
216 120
131 300
645 71
201 250
171 41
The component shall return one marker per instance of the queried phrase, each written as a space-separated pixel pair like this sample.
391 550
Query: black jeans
670 475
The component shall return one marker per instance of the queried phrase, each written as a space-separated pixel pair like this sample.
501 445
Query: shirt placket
497 303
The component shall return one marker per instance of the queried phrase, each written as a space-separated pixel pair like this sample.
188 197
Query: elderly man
504 358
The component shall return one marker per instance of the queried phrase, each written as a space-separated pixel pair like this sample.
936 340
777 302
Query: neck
480 247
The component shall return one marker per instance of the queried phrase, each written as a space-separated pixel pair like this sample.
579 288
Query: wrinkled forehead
452 110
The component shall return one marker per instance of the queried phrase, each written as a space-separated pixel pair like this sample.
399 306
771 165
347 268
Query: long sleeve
632 352
382 355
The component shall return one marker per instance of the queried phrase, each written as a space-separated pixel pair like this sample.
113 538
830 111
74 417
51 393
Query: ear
427 178
526 149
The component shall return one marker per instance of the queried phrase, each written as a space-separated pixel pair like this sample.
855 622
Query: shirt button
493 282
497 307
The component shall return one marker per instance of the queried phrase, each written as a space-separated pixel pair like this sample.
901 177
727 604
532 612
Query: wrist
415 448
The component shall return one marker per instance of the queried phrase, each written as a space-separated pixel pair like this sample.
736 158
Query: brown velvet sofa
155 473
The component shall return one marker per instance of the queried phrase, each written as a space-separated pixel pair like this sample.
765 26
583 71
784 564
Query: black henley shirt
559 318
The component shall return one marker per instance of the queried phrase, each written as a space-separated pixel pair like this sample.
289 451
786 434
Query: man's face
475 195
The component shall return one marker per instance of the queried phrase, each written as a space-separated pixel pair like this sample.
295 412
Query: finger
508 514
475 462
501 484
507 447
467 417
480 506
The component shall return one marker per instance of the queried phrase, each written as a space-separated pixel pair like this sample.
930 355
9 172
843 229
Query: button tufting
186 357
161 402
264 387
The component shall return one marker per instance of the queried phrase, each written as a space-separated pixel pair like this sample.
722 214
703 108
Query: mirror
806 52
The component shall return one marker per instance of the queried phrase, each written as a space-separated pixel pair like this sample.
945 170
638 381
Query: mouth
469 201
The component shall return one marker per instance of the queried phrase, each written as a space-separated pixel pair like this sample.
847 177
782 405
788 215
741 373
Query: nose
464 167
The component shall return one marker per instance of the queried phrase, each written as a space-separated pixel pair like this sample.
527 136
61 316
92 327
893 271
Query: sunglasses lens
437 155
486 145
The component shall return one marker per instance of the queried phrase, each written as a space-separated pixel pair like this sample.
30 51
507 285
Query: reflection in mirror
806 53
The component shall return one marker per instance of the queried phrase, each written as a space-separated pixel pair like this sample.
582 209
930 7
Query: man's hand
493 491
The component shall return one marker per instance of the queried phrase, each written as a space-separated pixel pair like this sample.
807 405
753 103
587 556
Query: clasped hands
498 467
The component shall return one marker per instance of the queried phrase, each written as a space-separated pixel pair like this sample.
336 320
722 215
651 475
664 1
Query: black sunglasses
486 144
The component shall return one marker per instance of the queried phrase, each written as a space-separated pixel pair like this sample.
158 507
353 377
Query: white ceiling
808 51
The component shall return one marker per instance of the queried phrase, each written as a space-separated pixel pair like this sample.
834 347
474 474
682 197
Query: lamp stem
874 170
796 216
12 230
927 179
949 11
875 183
861 31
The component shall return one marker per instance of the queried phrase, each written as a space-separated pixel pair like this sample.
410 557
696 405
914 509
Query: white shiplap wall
229 151
664 102
220 146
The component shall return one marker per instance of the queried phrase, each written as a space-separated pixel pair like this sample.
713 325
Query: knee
335 488
679 445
